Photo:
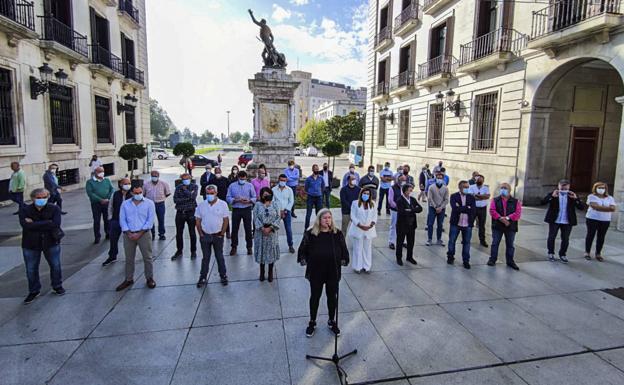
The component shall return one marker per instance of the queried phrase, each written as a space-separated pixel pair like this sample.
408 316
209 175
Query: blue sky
201 52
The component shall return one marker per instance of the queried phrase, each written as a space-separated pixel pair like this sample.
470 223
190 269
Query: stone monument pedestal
273 143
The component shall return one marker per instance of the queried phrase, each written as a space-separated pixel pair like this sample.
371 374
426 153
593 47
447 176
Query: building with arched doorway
525 93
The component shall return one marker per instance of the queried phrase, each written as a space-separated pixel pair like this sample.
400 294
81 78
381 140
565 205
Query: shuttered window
434 129
381 134
404 128
62 114
7 127
103 120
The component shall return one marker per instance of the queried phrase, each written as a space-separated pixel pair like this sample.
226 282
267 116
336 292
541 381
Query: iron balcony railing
443 64
100 55
384 33
404 79
566 13
408 14
499 40
20 11
55 30
133 73
380 89
429 3
127 7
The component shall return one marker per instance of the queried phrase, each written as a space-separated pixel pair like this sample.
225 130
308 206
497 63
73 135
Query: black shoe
109 260
333 327
467 265
96 241
233 251
450 260
310 329
31 297
193 255
63 212
201 283
491 262
412 261
224 280
399 261
153 237
293 215
176 256
484 244
107 236
17 213
391 246
291 249
59 290
162 238
513 266
250 251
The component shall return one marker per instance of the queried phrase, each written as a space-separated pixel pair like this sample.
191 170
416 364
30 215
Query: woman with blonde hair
598 218
362 231
324 250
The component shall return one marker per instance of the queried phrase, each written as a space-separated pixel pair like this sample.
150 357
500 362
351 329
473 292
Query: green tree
344 129
245 138
332 150
235 137
207 137
187 135
314 133
132 152
161 124
186 150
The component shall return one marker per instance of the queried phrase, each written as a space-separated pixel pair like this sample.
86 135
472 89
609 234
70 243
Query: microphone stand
335 358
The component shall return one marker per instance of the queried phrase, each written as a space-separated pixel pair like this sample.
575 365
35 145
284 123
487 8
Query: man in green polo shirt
99 190
17 184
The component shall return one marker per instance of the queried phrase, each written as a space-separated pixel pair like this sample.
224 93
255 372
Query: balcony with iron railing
383 39
433 6
58 36
379 92
106 62
492 49
436 71
564 22
407 19
17 18
402 83
127 8
134 74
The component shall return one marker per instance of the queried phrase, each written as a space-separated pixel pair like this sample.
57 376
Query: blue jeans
497 237
326 194
432 216
288 227
294 190
115 234
466 233
32 259
317 203
160 214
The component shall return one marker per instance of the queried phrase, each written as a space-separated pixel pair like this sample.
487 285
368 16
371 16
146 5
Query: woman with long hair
362 231
267 219
598 218
324 250
233 177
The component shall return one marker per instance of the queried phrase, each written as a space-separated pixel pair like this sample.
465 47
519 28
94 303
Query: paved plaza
549 323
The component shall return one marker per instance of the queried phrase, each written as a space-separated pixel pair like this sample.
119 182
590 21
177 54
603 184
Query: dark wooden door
583 158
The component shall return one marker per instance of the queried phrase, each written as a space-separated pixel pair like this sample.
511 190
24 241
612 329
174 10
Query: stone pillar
273 143
618 184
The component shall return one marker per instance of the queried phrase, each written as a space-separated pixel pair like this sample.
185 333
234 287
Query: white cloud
214 4
299 2
280 14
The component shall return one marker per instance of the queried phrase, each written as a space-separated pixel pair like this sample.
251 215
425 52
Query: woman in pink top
260 181
505 211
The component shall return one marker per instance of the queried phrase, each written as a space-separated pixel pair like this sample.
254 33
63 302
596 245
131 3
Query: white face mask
218 175
125 187
100 175
600 191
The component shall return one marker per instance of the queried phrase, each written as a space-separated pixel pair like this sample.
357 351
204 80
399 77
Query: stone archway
575 128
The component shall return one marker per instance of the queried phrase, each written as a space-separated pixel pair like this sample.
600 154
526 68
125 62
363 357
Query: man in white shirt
285 199
481 194
211 220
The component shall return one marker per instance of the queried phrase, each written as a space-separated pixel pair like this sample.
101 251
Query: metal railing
499 40
384 33
408 14
100 55
131 72
443 64
127 7
20 11
404 79
55 30
380 89
566 13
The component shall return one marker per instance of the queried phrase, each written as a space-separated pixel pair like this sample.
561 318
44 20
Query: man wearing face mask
185 199
99 189
284 199
481 193
206 179
463 212
158 191
327 176
438 198
41 233
561 215
393 195
293 175
385 177
212 219
114 208
50 183
314 189
260 181
348 194
241 196
406 172
506 211
370 182
136 219
438 168
349 174
222 184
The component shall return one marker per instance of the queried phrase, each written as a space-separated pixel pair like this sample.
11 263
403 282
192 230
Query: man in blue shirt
386 175
136 219
314 186
50 182
292 174
241 196
349 174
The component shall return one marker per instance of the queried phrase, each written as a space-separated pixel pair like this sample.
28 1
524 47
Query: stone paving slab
33 364
614 357
489 376
510 283
146 358
293 291
604 301
563 277
173 273
97 278
10 308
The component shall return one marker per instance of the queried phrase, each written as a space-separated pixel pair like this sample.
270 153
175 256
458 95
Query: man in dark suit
561 215
207 179
463 212
327 179
407 207
50 182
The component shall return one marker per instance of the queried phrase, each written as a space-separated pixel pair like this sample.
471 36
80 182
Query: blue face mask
563 192
439 182
466 191
504 192
365 198
154 179
282 184
241 182
210 198
186 182
41 202
137 197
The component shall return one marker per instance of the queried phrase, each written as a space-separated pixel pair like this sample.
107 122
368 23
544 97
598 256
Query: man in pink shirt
505 211
260 181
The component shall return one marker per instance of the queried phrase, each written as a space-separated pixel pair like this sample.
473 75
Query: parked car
244 159
202 161
160 153
310 151
297 151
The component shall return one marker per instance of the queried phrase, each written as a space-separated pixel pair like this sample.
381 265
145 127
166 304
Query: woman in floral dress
267 218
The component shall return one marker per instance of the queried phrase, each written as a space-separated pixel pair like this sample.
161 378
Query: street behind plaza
548 323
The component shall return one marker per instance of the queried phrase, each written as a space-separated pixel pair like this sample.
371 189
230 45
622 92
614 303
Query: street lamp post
228 124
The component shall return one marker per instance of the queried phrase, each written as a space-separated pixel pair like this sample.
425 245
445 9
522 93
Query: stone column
618 184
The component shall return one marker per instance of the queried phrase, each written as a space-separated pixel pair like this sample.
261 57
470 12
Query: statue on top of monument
271 57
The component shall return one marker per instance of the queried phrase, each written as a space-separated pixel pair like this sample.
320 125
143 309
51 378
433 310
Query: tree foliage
340 129
235 137
245 138
161 124
207 137
132 152
332 149
185 149
314 133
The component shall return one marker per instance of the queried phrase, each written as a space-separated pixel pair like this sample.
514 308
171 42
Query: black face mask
325 168
315 172
268 198
405 172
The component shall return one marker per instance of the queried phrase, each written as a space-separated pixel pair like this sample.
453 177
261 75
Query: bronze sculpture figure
271 57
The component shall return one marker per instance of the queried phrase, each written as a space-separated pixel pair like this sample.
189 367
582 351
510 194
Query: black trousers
316 290
99 210
593 227
481 219
553 229
383 193
403 234
56 198
245 216
185 218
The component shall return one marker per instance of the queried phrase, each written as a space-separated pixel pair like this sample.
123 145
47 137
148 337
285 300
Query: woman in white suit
362 231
